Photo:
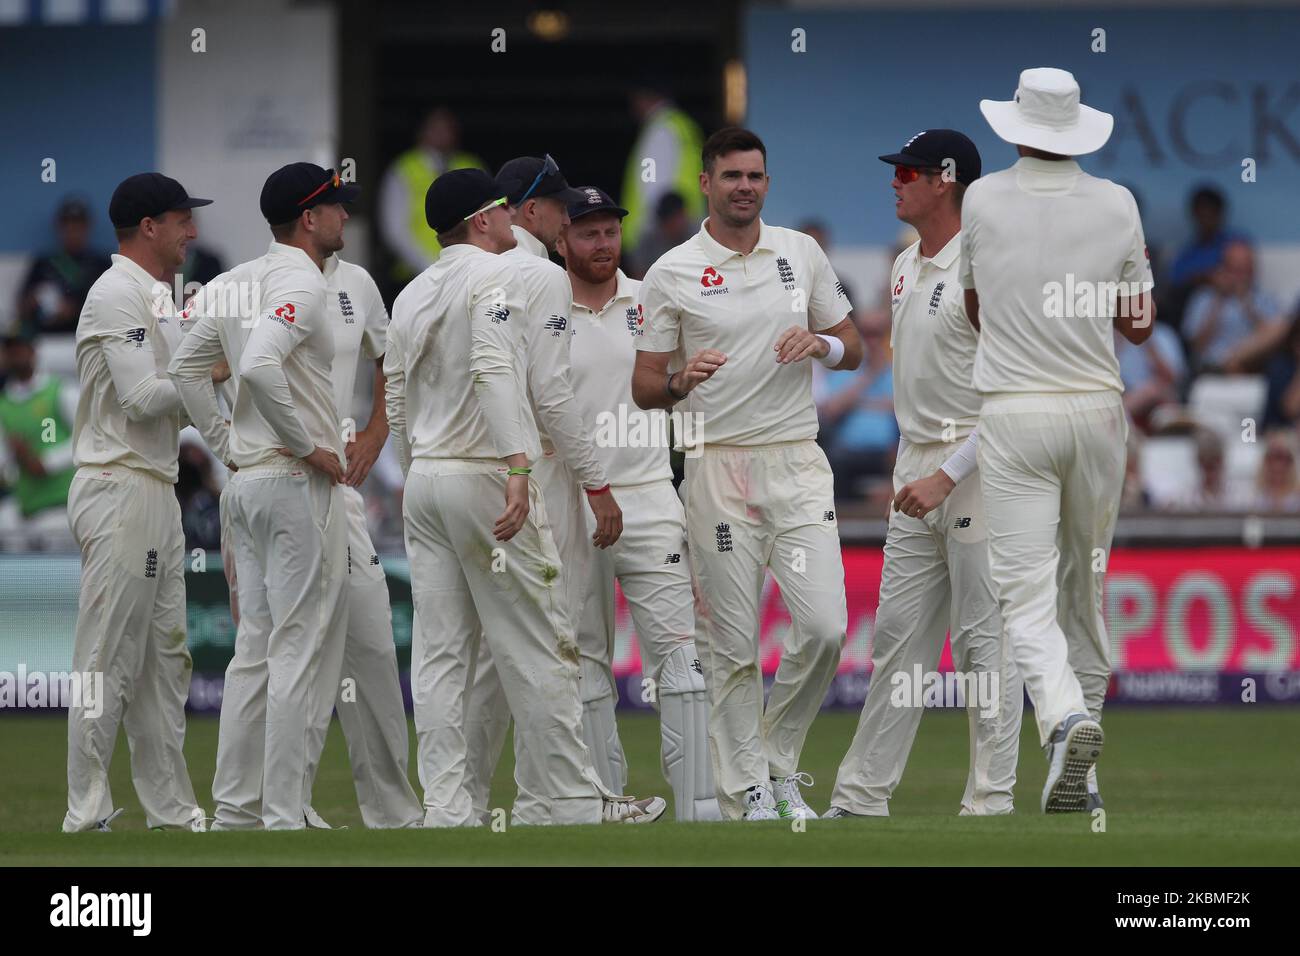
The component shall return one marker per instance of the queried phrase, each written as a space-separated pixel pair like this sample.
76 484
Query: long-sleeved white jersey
546 337
128 412
267 319
453 368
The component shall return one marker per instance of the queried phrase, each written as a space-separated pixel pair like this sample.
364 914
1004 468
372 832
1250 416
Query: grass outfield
1199 787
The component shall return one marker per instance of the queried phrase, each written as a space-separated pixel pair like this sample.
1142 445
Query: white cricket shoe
102 826
632 810
1074 748
315 821
789 801
759 804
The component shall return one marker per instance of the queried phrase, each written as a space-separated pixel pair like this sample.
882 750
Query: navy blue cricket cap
594 200
929 148
293 189
528 177
456 195
148 196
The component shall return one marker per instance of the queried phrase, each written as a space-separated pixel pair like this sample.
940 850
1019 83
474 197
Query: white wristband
836 353
963 461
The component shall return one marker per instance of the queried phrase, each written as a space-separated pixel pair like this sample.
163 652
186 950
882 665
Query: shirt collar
135 271
529 243
717 253
1048 167
331 265
622 290
945 257
291 252
458 249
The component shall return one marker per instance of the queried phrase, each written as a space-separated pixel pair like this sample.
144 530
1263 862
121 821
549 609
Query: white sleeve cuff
963 461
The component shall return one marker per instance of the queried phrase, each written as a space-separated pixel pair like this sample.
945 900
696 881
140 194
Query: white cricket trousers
366 691
935 581
130 629
467 587
1052 469
289 532
750 509
487 714
651 564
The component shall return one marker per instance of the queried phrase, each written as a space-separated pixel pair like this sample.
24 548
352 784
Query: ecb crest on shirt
636 319
784 272
345 306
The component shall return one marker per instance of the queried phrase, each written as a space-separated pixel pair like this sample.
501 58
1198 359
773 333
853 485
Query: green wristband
519 471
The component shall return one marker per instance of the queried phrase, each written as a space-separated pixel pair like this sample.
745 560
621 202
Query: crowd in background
1213 397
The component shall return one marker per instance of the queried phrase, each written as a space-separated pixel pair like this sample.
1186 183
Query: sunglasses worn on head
910 174
496 202
549 168
332 181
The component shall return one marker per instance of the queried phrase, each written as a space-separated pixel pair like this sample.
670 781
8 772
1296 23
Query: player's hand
512 519
326 462
699 369
796 344
362 454
28 461
918 498
220 372
609 519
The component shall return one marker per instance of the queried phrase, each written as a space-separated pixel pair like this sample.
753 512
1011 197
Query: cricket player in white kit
458 407
1052 427
567 472
286 513
936 576
749 303
649 560
369 694
127 522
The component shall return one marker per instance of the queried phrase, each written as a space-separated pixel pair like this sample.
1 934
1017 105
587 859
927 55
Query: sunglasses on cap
549 168
332 181
910 174
494 203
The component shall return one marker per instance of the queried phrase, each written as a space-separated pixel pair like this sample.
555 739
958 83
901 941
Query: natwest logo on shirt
711 279
284 314
898 289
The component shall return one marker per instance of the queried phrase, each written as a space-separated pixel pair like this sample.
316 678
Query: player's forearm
269 390
649 388
150 398
964 462
558 410
200 399
497 389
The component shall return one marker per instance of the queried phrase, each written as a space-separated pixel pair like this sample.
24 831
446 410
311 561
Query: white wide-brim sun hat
1046 114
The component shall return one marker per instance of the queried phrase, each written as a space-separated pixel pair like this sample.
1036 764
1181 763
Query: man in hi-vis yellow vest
664 159
401 196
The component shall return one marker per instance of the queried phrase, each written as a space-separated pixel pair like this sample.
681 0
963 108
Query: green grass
1203 787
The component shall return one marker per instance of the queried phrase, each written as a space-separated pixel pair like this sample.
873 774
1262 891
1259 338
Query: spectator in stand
1282 407
672 227
56 286
36 415
1231 325
1195 263
199 497
1210 493
856 410
1153 374
1277 488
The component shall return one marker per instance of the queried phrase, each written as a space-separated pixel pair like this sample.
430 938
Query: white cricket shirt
268 319
630 443
356 312
128 412
546 334
934 347
1043 243
703 295
454 385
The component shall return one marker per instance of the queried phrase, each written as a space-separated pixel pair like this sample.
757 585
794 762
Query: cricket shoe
839 813
789 801
102 826
759 804
632 810
315 821
1094 801
1074 748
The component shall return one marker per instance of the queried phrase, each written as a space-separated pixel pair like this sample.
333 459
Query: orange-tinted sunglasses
332 181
